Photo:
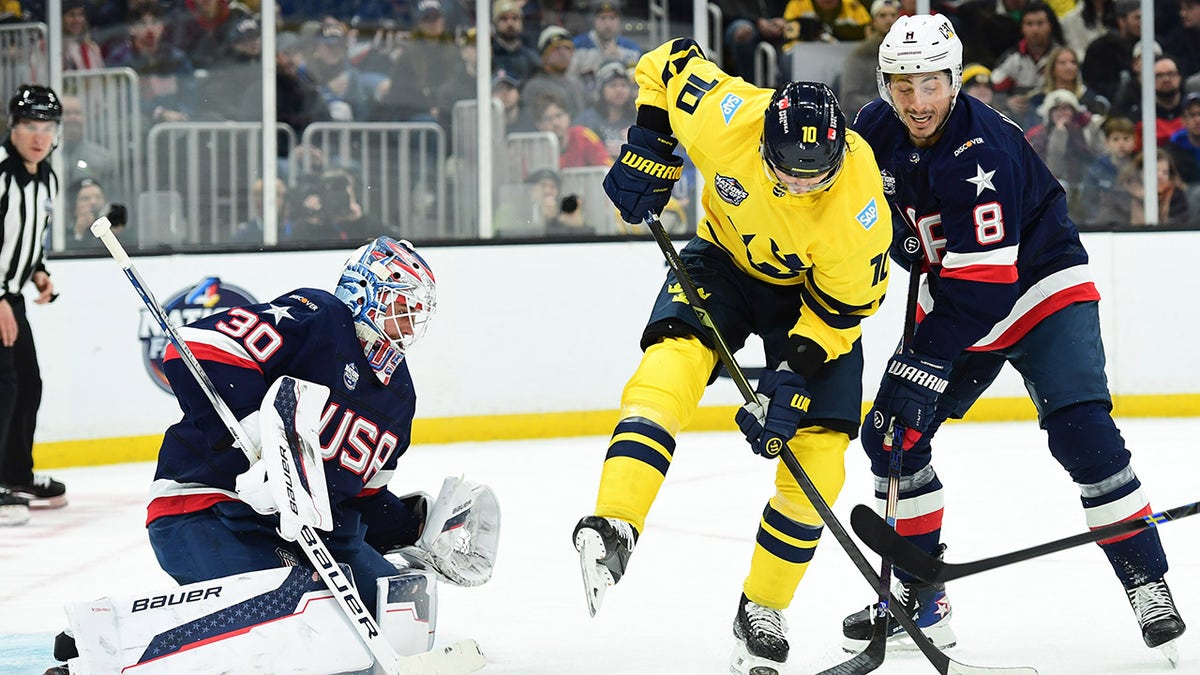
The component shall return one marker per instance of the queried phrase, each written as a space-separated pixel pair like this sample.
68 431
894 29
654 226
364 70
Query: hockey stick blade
459 658
868 659
882 539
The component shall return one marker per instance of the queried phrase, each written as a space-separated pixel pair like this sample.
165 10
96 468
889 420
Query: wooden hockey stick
460 657
937 657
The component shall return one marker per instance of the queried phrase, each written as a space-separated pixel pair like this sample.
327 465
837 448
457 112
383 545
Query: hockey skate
43 493
926 604
14 510
1156 614
761 635
604 546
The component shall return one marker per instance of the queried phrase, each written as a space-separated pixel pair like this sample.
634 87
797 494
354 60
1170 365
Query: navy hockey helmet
35 102
804 130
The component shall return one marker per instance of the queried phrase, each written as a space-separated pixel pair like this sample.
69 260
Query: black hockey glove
643 176
772 420
909 394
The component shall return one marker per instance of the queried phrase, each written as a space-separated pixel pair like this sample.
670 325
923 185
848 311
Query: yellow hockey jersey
832 245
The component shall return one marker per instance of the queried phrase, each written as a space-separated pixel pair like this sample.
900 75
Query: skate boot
43 493
761 634
1156 614
14 510
604 546
926 604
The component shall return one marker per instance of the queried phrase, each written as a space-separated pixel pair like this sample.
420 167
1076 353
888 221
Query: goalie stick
883 540
862 662
458 658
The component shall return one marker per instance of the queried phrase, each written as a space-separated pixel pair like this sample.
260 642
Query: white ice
1063 614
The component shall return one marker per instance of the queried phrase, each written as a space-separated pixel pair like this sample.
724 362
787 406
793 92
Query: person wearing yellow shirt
791 245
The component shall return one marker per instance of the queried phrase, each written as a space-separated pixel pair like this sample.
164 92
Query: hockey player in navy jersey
204 523
1007 280
793 248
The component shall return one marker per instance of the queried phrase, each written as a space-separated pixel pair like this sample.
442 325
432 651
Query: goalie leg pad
230 624
408 610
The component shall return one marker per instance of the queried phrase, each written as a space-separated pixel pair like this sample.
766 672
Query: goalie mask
392 295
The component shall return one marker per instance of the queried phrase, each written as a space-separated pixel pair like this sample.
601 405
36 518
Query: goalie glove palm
771 421
641 179
461 534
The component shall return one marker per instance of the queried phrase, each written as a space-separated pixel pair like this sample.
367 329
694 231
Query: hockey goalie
292 554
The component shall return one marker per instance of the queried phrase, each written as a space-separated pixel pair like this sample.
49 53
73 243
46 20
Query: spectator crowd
1067 71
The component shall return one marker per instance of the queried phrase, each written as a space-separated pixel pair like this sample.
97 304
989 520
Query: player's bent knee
668 383
822 453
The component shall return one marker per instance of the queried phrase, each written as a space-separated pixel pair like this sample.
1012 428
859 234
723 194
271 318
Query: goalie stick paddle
860 663
876 534
459 658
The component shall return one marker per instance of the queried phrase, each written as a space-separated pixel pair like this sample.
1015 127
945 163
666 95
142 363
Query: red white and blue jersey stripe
307 334
992 224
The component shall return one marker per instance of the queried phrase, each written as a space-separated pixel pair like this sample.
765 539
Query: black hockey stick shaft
940 661
877 647
882 539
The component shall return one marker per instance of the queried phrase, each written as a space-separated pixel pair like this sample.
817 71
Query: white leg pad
232 624
408 610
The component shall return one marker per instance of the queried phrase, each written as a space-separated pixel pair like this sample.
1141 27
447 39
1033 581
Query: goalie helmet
35 102
804 131
923 43
391 293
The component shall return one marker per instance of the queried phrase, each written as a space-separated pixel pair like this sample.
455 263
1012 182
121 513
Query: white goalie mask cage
375 277
923 43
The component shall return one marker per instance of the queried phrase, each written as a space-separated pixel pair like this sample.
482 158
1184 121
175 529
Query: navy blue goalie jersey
307 334
992 224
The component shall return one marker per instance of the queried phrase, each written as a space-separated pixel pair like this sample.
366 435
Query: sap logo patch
869 215
730 190
889 182
968 145
210 296
729 105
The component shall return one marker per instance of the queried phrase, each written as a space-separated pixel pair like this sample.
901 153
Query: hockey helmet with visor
920 44
804 135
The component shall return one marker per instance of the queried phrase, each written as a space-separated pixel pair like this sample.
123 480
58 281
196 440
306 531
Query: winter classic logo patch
730 190
729 105
207 297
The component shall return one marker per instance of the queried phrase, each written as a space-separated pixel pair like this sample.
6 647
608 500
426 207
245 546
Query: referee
28 190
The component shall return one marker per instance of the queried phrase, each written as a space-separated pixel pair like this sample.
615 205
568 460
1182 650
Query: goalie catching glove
641 180
461 534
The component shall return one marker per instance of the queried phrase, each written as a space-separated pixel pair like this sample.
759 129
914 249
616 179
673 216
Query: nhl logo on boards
730 190
209 296
350 376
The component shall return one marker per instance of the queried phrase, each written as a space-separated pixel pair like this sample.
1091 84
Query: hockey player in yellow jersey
791 246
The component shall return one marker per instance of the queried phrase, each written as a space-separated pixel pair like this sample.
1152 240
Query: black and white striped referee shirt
26 204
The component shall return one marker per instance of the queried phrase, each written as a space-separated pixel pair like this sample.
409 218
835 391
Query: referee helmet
35 102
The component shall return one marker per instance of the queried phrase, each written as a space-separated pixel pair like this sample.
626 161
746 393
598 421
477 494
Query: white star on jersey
280 313
982 180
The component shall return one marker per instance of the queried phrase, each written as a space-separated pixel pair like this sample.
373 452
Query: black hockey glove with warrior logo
642 178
